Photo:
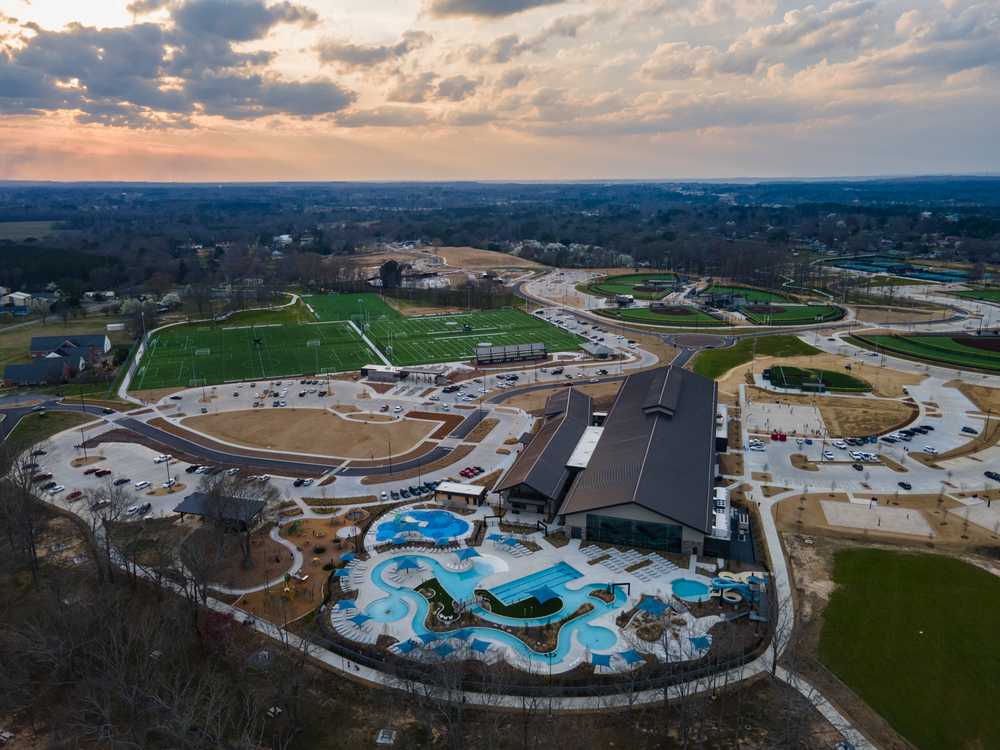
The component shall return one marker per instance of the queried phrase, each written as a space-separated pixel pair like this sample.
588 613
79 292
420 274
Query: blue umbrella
342 573
345 604
429 637
444 649
407 563
359 619
462 634
406 647
631 656
466 553
544 594
701 642
347 557
509 541
480 646
600 660
494 537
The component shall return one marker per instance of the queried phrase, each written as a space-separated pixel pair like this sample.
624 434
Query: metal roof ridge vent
664 393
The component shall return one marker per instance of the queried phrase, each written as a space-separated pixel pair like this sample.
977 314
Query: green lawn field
644 315
715 362
753 295
216 353
783 376
450 338
988 294
795 315
916 637
939 349
269 344
612 285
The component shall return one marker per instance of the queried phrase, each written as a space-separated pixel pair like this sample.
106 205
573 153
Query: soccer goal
204 352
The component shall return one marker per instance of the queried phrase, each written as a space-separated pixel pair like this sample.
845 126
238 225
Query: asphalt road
13 415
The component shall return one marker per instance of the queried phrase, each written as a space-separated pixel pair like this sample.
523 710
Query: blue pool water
596 638
437 525
461 585
690 591
388 609
521 588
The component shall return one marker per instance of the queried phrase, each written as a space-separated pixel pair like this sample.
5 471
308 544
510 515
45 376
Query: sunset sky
220 90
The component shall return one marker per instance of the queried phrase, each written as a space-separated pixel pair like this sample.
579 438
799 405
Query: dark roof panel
657 449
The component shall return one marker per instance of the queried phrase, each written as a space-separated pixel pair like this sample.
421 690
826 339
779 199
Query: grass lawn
916 637
693 317
794 314
37 427
783 376
297 313
609 286
943 350
716 362
753 295
349 306
877 281
987 294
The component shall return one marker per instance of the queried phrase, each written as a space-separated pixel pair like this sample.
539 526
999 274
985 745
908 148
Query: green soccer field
683 316
451 338
349 306
187 355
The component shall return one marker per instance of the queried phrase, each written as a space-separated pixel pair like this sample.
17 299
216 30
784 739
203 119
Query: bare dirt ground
413 309
885 382
475 259
481 430
804 514
601 393
731 464
270 559
311 431
878 314
848 416
152 395
986 399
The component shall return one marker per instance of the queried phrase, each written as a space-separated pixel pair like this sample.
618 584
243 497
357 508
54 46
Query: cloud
511 78
456 88
700 12
350 56
383 117
505 48
484 8
160 75
237 20
412 89
142 7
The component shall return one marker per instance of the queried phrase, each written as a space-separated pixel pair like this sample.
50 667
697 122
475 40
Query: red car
91 470
41 477
74 495
102 472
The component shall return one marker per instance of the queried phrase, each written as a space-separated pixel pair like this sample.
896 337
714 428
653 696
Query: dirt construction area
885 382
473 258
846 416
315 431
602 394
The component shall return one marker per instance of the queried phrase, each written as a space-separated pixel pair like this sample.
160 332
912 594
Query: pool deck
510 565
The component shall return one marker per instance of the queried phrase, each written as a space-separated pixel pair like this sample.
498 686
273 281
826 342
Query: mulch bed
451 421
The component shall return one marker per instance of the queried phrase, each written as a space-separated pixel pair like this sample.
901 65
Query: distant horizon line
746 180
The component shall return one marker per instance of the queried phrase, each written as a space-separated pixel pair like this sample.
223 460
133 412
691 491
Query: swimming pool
436 525
688 590
522 588
461 586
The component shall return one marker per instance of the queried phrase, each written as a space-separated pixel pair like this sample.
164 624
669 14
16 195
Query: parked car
192 468
233 471
74 495
91 470
56 490
169 483
120 482
857 467
102 472
162 458
905 485
141 485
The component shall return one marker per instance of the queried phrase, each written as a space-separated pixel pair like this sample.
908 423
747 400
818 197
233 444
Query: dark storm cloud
484 8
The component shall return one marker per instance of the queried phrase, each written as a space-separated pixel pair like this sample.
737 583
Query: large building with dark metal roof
645 478
650 478
540 477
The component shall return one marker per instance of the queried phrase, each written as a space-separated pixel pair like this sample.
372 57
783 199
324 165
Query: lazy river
402 601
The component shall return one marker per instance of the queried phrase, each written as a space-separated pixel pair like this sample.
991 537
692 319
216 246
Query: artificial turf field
751 295
916 637
216 353
187 355
783 376
990 294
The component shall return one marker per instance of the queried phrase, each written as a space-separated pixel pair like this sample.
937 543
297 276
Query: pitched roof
51 343
657 449
221 508
542 464
37 371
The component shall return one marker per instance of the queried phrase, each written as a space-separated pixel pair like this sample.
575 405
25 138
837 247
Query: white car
931 450
306 482
141 485
828 455
232 472
169 483
398 409
757 447
264 478
56 490
161 459
840 444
